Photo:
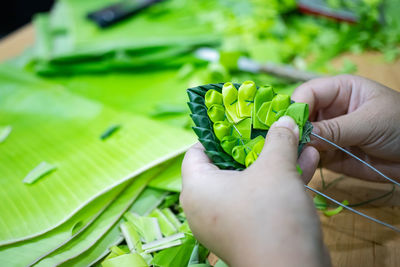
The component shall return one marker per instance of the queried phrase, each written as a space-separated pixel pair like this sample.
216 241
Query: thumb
346 130
281 143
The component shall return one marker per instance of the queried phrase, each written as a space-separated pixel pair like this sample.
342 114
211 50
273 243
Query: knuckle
331 129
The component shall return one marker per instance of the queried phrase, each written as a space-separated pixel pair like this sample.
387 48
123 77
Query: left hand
261 215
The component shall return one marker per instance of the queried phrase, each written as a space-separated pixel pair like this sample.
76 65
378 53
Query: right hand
359 114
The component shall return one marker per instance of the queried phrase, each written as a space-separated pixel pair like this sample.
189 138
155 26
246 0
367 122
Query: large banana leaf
50 124
147 201
170 180
25 252
105 221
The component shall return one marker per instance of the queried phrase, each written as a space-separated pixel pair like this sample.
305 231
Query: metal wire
357 158
394 228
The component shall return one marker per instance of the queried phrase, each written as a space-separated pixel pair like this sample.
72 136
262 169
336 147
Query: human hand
259 216
359 114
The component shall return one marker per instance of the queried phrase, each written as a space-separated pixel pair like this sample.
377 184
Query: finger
331 94
281 144
308 162
196 161
353 129
340 162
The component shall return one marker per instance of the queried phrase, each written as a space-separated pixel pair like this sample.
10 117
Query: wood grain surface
351 239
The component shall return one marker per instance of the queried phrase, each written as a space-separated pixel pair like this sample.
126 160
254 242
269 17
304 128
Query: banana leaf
25 252
147 201
205 132
171 179
156 36
104 223
50 124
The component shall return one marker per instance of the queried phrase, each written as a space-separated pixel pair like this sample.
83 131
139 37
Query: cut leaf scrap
44 168
4 133
336 211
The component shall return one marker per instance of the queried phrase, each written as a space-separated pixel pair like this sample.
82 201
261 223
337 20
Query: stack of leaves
67 42
68 179
232 120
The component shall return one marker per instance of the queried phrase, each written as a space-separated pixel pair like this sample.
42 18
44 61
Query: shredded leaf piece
336 211
131 236
4 133
125 261
148 228
167 227
110 131
171 217
163 241
38 172
320 202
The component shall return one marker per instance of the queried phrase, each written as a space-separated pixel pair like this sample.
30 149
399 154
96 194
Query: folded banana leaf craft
232 120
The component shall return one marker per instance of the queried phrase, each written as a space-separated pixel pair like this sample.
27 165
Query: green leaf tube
263 95
131 236
213 97
280 102
299 112
126 260
167 227
216 113
230 98
246 94
239 153
250 158
228 143
222 129
255 151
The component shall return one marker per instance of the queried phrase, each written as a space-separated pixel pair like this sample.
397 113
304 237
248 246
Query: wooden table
351 239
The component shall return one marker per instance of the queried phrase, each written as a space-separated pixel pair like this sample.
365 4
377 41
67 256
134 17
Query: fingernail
287 122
